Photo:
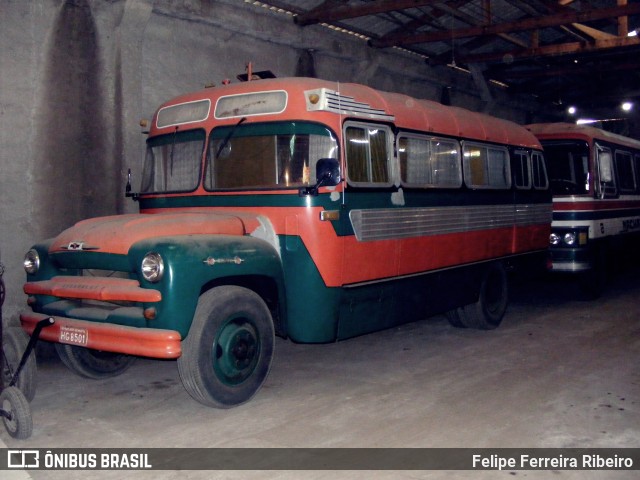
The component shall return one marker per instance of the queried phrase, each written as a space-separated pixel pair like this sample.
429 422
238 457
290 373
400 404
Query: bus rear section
595 179
303 208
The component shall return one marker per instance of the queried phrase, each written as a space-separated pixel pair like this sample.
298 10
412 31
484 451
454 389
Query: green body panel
236 259
312 307
187 273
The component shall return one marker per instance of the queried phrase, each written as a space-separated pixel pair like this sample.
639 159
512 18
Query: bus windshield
568 165
266 155
172 162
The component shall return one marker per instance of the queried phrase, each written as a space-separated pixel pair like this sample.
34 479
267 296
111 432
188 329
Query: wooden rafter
554 20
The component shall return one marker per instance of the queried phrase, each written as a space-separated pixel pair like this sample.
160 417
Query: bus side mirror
605 163
327 174
127 188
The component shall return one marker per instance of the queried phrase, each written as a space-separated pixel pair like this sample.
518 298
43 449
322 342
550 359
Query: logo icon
23 459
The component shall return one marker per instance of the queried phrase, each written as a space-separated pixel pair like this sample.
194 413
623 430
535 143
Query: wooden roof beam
554 20
551 50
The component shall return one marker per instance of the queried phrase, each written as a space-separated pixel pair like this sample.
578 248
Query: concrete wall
76 76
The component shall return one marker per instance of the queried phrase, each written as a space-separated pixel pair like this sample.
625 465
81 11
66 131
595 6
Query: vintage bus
595 180
303 208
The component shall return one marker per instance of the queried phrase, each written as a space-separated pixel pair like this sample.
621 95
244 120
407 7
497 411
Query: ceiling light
627 106
633 33
571 110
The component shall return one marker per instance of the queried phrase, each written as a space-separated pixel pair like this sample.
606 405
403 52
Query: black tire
3 291
487 312
14 403
227 354
93 364
14 344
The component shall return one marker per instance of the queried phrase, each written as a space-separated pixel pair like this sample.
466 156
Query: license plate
74 335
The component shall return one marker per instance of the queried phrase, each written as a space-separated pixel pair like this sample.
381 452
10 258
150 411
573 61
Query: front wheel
16 413
227 354
487 312
93 364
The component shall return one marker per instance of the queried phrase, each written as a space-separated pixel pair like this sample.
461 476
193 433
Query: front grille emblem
78 246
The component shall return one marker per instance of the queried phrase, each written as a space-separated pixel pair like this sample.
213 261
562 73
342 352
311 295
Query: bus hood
116 234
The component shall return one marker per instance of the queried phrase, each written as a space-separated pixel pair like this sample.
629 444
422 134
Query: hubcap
236 351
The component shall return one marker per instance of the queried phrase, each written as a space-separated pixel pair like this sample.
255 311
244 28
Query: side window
540 179
367 153
486 166
637 170
429 162
624 167
521 168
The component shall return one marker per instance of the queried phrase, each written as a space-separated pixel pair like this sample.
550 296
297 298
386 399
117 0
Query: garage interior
76 78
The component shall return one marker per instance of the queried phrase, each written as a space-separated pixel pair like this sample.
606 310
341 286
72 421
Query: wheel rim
236 351
10 424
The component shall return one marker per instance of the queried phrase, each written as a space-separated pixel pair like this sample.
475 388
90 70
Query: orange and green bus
307 209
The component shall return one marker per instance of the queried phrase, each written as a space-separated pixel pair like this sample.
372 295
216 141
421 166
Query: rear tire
94 364
227 354
487 312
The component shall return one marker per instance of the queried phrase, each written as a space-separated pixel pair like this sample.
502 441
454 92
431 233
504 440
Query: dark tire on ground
227 354
487 312
93 364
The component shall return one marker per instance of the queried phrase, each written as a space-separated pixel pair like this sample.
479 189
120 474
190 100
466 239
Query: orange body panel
145 342
93 288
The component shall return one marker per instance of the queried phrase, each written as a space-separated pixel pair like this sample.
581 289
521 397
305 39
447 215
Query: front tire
227 354
19 423
93 364
487 312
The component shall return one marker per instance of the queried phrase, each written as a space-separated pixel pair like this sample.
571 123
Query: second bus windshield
568 165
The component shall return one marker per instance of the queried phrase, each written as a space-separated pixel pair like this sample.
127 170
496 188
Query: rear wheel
93 364
14 344
487 312
227 354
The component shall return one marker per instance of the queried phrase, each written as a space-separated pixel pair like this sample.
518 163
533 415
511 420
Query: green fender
195 263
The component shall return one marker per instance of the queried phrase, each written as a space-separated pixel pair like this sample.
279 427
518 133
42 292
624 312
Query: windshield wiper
228 137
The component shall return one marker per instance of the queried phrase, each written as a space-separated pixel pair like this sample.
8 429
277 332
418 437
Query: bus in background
595 179
308 209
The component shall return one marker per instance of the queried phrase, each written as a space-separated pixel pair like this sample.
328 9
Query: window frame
389 163
616 156
431 140
543 163
466 170
517 153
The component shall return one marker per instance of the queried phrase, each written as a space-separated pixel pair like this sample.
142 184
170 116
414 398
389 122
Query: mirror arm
313 190
127 189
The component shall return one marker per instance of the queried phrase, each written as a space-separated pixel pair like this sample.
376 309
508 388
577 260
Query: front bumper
144 342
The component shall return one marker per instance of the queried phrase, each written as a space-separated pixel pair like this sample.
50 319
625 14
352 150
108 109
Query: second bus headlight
152 267
569 238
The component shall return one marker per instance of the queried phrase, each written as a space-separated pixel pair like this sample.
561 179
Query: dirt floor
559 372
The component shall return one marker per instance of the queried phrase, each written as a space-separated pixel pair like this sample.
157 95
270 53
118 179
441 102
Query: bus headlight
152 267
569 238
31 262
554 239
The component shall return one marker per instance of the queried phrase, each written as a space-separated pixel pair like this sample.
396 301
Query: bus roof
404 111
559 131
